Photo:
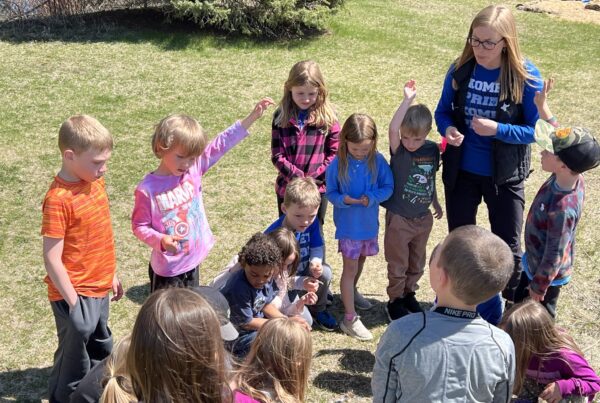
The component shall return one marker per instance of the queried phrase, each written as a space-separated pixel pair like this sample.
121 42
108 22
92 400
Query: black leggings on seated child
550 299
187 280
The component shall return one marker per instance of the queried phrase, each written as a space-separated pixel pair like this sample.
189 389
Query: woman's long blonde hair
117 385
513 74
357 128
322 114
278 363
533 332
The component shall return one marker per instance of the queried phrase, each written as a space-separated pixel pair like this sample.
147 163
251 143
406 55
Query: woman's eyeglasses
487 45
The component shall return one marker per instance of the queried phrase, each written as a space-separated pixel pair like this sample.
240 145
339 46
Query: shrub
262 18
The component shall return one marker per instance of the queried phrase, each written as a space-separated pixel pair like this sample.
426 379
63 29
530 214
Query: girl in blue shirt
358 180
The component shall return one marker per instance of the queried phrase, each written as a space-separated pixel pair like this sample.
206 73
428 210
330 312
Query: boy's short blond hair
81 133
417 122
303 192
179 130
477 262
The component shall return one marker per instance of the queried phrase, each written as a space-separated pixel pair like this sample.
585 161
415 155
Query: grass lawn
129 78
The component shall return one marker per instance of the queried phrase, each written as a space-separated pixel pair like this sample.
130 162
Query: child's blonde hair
179 130
303 192
513 74
81 133
357 128
176 354
306 72
117 385
287 242
279 361
533 332
417 122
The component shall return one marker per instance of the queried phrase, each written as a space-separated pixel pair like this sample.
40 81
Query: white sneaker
361 302
356 329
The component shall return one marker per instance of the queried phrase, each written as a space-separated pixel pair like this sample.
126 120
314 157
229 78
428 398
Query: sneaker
325 321
395 309
360 302
356 329
411 303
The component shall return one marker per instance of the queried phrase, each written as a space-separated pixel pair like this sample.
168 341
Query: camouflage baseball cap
575 146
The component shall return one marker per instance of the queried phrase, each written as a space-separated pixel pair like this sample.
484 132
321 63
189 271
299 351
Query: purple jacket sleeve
582 381
224 142
141 221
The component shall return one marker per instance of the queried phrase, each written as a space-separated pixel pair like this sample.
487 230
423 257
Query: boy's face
412 142
88 165
550 162
299 218
258 276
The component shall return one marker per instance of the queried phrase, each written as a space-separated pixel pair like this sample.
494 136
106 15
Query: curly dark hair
261 250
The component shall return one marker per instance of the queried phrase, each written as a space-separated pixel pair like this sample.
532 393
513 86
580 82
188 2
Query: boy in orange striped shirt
79 253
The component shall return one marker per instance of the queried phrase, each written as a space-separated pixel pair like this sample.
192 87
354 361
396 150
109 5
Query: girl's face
360 150
174 162
285 267
304 96
485 36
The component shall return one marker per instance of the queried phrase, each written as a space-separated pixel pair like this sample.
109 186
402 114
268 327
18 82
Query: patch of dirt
572 10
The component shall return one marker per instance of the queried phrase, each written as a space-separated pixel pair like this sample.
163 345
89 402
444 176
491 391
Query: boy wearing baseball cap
555 211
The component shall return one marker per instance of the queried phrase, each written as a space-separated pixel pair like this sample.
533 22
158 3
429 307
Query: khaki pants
405 243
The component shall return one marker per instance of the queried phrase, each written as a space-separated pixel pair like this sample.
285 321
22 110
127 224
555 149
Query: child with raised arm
305 131
79 253
408 221
550 365
169 212
359 179
451 353
300 206
556 209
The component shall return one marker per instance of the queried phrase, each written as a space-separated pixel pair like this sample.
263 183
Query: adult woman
487 115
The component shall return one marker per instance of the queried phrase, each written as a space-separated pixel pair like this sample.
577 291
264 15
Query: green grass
131 77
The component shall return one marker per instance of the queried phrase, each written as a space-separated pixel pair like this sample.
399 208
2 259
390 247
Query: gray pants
84 340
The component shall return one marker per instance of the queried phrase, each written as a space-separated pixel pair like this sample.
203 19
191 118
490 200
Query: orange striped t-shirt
78 212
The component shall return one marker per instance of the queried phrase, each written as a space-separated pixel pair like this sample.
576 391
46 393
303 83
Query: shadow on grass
26 385
352 360
148 25
342 383
138 293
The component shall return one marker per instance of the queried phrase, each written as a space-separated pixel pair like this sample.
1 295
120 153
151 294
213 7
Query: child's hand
541 97
311 284
257 112
316 269
551 394
310 298
484 126
170 243
117 289
410 90
364 200
437 210
350 200
535 296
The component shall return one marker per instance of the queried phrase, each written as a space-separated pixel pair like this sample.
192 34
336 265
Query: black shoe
395 309
411 303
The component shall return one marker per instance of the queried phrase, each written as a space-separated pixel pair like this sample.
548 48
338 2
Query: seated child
250 292
556 209
283 278
550 365
79 254
168 214
300 205
277 367
174 356
451 353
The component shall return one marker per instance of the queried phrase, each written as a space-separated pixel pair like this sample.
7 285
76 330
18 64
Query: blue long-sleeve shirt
356 221
482 100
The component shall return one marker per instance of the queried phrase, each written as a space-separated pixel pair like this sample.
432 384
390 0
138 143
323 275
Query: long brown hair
278 362
287 242
357 128
513 74
306 72
533 332
176 354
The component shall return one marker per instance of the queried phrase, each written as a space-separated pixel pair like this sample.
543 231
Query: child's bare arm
437 207
254 324
257 112
541 100
410 92
52 250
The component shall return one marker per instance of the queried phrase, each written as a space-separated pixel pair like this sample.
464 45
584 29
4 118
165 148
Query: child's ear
283 209
69 154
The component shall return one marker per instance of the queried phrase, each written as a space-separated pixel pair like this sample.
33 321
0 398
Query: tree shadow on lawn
357 379
26 385
144 25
